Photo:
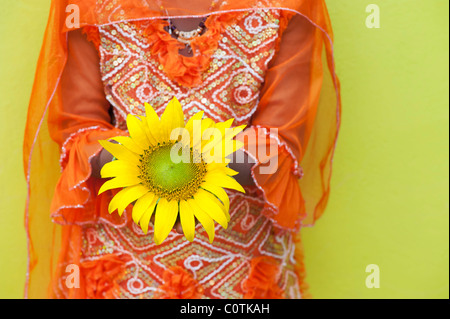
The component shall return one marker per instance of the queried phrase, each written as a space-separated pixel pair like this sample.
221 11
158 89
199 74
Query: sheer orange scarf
316 145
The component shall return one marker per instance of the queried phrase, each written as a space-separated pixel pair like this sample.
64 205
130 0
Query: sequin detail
229 86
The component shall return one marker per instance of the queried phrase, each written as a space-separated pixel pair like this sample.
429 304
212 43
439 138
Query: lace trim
64 151
57 214
296 170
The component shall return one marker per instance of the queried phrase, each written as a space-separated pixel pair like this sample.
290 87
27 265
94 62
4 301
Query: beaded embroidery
229 88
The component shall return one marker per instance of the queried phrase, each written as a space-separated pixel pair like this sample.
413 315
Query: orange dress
262 68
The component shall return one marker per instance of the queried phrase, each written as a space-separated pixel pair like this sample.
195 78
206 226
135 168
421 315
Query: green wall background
389 200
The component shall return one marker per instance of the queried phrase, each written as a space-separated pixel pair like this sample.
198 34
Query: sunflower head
172 169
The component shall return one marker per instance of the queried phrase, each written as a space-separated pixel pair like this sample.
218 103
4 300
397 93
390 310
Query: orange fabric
179 284
92 35
262 279
78 116
99 277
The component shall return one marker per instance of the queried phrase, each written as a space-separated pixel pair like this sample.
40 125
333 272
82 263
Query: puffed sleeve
281 126
77 123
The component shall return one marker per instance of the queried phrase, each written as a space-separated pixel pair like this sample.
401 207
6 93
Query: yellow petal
153 122
137 132
213 166
207 130
231 147
120 152
119 182
129 144
223 180
166 215
228 147
194 123
150 131
190 124
212 151
141 205
119 168
198 133
187 220
226 134
203 218
130 195
125 197
222 168
145 220
172 118
221 195
211 205
235 131
226 124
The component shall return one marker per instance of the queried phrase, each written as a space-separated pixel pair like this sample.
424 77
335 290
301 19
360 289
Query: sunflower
173 170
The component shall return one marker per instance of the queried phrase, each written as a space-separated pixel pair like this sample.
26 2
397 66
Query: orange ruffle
93 35
187 71
179 284
75 200
262 279
100 276
284 204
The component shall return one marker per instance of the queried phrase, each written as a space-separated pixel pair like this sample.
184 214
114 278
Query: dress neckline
167 29
187 71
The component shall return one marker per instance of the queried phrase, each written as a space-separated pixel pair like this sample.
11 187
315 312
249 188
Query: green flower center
168 179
